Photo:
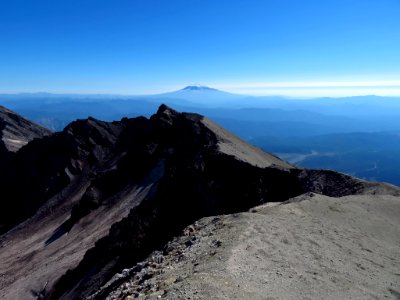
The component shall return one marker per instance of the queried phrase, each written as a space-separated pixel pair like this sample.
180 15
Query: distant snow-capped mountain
198 88
203 95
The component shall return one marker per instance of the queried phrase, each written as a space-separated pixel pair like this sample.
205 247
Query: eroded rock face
16 132
45 167
166 172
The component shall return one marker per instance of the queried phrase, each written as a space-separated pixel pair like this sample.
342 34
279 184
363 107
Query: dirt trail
313 247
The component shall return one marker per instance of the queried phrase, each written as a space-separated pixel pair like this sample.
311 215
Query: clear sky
148 46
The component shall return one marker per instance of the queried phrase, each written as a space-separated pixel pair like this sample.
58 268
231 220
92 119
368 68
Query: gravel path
312 247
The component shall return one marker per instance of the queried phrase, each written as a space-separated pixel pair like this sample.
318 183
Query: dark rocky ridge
15 131
175 155
46 166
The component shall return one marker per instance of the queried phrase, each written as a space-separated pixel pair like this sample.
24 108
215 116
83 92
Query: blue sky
147 46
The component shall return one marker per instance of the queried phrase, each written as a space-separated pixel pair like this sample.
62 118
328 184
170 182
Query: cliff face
99 197
16 132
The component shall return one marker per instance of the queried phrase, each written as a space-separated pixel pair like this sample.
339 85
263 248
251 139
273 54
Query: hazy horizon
300 90
283 48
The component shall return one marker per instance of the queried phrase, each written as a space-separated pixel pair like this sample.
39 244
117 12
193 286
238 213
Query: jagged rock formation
82 204
16 132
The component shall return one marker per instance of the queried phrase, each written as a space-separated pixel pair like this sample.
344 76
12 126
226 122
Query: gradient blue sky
148 46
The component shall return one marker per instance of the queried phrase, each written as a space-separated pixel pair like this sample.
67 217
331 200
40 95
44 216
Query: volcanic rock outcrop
16 132
80 205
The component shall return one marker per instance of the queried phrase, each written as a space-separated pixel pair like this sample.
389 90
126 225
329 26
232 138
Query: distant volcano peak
198 88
